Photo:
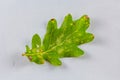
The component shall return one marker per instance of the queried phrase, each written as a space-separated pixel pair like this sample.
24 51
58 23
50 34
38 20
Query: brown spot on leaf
30 58
86 16
52 19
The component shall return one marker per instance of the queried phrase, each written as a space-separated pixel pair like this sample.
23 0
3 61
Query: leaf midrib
59 44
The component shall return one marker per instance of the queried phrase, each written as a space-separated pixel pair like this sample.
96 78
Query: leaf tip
53 20
35 34
69 14
86 17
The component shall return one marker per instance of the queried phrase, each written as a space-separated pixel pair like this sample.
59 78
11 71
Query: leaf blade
50 34
60 42
36 41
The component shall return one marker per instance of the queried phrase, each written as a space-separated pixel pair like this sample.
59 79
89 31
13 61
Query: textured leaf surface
60 42
36 41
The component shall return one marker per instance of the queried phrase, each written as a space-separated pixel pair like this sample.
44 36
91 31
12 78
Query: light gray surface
20 19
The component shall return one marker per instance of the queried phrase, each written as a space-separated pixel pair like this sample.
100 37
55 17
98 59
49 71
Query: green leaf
27 49
71 50
36 41
50 35
60 42
37 59
53 58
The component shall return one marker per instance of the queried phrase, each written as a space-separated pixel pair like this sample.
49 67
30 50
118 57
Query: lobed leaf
60 42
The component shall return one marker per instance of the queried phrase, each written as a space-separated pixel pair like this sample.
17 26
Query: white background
20 19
